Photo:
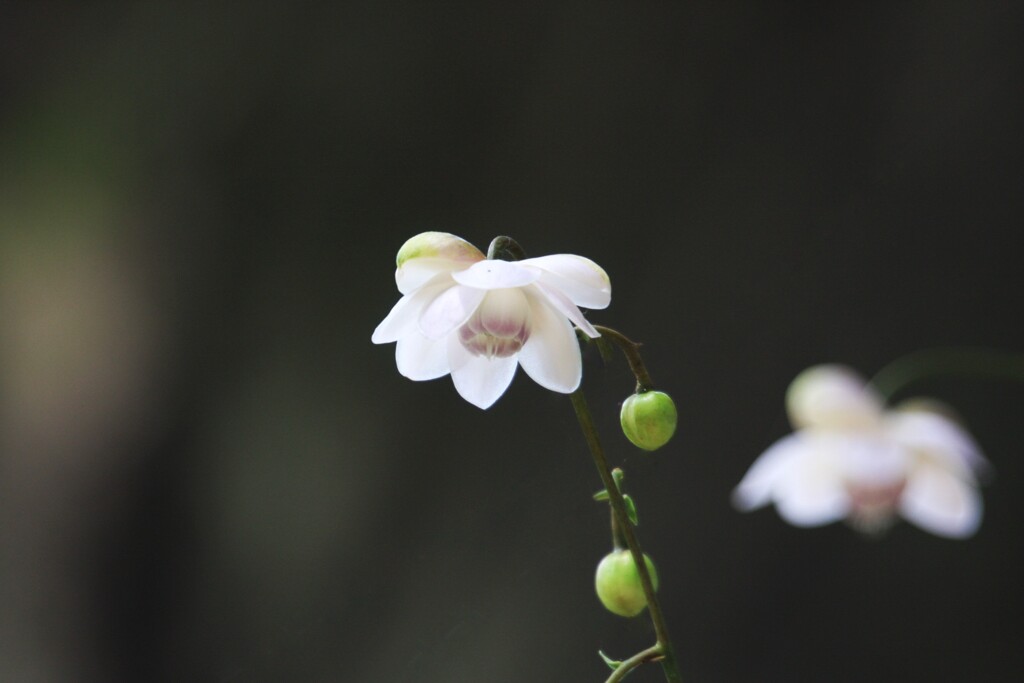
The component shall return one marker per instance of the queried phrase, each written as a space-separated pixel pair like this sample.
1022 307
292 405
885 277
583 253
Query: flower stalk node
631 350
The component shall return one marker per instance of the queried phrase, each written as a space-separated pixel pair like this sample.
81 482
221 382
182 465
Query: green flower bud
649 419
618 583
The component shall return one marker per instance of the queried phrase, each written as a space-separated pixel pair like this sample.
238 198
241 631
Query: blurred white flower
851 458
478 318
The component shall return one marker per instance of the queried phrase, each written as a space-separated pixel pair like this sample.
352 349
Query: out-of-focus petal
566 307
404 315
832 397
450 309
938 501
579 278
809 491
937 436
757 485
420 358
811 494
551 356
494 274
866 459
429 254
478 379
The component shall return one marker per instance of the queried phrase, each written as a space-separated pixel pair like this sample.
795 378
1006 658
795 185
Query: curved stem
651 654
631 350
668 661
949 362
505 248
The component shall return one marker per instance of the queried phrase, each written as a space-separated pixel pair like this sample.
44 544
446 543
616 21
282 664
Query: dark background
209 473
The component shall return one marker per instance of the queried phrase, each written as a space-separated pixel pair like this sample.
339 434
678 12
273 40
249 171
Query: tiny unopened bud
649 419
618 583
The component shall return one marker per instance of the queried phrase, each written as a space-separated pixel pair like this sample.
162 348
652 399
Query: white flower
479 318
851 458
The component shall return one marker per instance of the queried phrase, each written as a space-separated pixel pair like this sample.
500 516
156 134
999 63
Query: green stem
649 655
668 661
505 248
948 362
631 350
618 540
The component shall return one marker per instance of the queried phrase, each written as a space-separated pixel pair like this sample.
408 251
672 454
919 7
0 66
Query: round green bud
618 583
649 419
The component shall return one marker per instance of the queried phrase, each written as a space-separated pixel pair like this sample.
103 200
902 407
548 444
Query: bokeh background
209 473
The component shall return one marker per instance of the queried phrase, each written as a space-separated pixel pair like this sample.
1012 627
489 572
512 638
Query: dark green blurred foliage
208 473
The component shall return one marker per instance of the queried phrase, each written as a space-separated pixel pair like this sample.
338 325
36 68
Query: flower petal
404 314
810 491
757 486
934 435
449 309
420 358
504 312
812 498
866 459
551 356
832 397
579 278
495 274
479 379
415 274
429 254
566 307
940 502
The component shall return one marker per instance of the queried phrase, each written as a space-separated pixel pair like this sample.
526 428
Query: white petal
450 309
866 459
495 274
810 491
478 379
812 498
566 307
504 312
417 272
757 485
429 254
551 356
940 502
404 315
936 436
832 397
420 358
579 278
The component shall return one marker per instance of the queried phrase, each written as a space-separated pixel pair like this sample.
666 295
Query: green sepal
618 475
630 509
613 664
601 496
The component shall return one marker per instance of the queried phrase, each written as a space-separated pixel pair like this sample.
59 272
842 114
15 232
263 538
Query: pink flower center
499 327
872 508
